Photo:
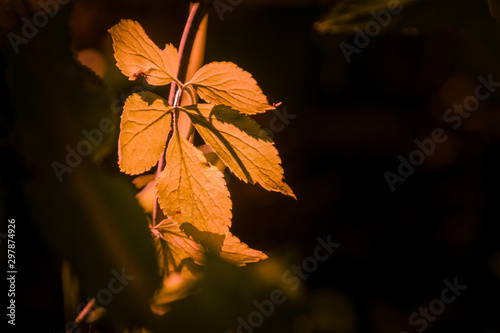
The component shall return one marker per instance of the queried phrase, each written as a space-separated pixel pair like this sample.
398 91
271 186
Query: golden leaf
136 54
226 83
241 144
191 190
144 131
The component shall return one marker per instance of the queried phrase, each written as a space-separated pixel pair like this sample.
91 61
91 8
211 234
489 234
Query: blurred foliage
345 15
88 216
424 15
495 9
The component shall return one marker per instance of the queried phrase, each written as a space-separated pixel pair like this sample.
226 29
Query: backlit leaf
180 245
144 131
136 54
183 247
239 253
180 255
181 276
147 197
191 190
225 83
241 144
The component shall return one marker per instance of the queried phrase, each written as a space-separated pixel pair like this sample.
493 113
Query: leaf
191 190
182 247
147 197
226 83
212 157
136 54
241 144
180 250
238 253
210 241
143 180
144 131
180 275
175 286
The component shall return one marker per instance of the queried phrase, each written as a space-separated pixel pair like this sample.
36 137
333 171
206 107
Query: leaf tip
289 192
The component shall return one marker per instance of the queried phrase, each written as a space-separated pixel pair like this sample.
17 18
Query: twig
85 311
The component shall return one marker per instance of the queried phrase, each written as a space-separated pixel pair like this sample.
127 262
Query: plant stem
157 213
185 126
187 28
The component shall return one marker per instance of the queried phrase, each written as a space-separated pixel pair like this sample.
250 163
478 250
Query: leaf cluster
192 192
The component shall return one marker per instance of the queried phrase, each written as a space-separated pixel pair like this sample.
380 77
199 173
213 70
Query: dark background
352 122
